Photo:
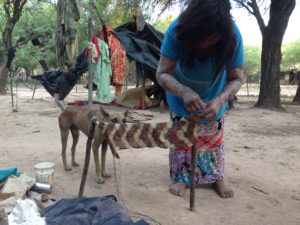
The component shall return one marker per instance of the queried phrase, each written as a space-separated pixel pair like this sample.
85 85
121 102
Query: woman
201 69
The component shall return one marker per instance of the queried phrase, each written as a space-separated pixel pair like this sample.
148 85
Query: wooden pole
91 75
143 90
11 89
192 185
34 89
247 85
16 82
92 125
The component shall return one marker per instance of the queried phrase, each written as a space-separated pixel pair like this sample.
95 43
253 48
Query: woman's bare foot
177 189
222 190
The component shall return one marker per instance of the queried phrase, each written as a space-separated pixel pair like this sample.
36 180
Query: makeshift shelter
142 44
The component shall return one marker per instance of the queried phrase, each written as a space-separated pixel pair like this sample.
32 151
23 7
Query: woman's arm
164 76
235 80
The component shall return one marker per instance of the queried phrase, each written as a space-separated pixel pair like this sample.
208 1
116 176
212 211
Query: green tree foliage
111 12
38 19
291 56
163 24
252 60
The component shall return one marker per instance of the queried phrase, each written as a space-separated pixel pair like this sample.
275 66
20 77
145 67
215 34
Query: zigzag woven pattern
141 135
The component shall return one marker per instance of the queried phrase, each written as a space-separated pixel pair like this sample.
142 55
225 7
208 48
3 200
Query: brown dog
77 119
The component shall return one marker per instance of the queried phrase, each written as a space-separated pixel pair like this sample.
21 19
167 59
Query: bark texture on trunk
13 11
269 94
4 72
296 99
7 40
272 35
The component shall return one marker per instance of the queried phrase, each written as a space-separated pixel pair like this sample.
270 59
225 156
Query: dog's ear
126 113
104 113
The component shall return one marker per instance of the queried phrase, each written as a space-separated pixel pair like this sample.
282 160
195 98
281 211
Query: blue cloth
88 211
7 172
200 76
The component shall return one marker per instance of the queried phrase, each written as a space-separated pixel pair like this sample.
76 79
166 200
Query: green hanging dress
102 74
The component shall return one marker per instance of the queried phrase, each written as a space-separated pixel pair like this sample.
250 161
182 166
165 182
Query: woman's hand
192 101
212 109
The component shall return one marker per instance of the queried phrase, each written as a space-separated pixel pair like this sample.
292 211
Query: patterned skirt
209 155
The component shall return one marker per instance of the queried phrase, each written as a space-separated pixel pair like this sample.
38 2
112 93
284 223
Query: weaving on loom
141 135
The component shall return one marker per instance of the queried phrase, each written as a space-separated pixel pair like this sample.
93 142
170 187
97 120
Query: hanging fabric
118 57
102 73
96 50
68 11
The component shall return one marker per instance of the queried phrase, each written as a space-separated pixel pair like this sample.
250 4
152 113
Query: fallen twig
260 190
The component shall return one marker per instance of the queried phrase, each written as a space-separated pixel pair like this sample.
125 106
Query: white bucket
44 172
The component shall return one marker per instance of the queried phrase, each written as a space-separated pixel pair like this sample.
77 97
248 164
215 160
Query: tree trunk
7 40
296 99
3 79
272 35
13 10
269 95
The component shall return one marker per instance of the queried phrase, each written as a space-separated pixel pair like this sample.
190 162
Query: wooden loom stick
192 185
87 156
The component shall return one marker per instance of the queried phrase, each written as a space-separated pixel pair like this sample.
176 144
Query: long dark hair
201 19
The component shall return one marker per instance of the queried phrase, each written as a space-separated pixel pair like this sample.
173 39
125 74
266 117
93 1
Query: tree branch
18 6
252 7
6 9
100 18
20 42
257 14
242 4
25 40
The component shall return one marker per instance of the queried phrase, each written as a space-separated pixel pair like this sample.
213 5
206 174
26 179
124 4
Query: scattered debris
36 131
260 190
295 197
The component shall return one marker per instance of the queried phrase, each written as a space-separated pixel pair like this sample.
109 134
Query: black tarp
57 82
142 46
88 211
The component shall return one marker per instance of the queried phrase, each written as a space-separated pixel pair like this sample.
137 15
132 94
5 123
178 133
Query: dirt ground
262 164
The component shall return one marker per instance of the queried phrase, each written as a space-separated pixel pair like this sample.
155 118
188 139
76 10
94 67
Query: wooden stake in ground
87 156
192 185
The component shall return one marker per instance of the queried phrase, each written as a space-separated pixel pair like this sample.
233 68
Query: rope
121 199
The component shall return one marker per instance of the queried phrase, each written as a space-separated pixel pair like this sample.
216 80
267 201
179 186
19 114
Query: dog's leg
64 132
103 159
95 146
75 135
